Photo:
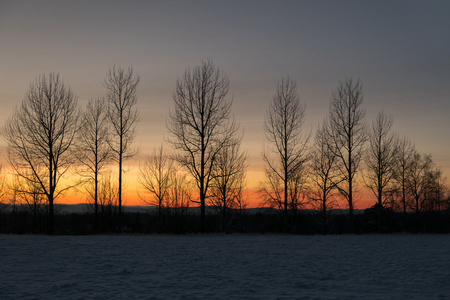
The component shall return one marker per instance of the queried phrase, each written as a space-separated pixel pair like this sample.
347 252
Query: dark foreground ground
234 266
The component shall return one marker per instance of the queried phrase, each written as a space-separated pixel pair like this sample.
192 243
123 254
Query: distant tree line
200 185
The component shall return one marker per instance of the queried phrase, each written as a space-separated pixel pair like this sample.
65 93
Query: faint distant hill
84 208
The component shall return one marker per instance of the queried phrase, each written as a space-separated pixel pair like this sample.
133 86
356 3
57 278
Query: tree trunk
223 216
202 188
96 201
120 172
120 193
50 190
50 228
160 217
324 213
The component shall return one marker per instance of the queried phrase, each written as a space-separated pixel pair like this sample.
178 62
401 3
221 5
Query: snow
225 267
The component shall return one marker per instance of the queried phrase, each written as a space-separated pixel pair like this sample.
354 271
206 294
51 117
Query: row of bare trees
300 173
48 137
207 140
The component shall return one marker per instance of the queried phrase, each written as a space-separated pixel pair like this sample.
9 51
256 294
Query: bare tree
180 191
180 196
28 194
403 159
200 124
155 178
40 134
4 191
3 184
287 143
417 180
436 190
108 195
228 180
380 157
434 185
93 152
272 191
323 173
121 97
347 134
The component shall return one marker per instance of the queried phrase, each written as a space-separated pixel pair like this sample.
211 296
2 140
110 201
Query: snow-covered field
225 267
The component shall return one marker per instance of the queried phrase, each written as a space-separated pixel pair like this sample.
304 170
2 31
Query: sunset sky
400 50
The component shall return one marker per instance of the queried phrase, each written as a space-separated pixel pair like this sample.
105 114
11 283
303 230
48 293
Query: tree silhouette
287 143
156 178
200 124
417 180
436 189
323 173
121 97
380 158
403 157
180 196
40 134
93 152
108 195
347 134
30 195
228 180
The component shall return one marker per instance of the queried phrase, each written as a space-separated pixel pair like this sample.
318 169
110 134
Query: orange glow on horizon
252 197
364 199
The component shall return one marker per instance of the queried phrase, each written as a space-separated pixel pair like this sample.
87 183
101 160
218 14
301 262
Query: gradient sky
400 50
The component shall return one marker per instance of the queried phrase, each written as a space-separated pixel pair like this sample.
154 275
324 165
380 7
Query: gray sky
400 50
